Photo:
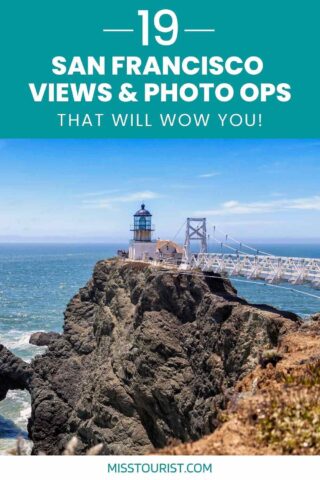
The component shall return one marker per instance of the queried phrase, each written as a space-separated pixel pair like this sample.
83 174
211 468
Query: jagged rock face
147 356
15 374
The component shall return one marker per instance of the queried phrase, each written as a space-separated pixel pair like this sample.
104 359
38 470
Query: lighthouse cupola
142 226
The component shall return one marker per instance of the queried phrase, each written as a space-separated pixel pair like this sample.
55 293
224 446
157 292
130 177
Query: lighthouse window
142 223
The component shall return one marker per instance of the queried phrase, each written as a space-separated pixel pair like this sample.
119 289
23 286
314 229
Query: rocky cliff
275 408
147 357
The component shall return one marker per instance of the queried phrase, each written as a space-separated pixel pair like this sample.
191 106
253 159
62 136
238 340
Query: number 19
172 28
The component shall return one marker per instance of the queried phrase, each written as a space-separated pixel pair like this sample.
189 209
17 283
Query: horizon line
45 240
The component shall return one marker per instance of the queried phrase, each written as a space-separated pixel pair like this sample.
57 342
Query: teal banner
160 69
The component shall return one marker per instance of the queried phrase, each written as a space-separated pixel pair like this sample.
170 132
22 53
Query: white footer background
96 468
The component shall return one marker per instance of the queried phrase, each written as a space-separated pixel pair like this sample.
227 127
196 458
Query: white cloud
208 175
108 202
311 203
98 193
234 207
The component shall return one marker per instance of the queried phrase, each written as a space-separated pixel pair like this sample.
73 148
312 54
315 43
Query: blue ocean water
37 281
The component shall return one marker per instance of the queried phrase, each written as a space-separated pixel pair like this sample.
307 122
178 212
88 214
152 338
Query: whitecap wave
25 413
18 342
15 339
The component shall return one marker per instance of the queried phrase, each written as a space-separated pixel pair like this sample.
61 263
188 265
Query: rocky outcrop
147 356
43 339
15 374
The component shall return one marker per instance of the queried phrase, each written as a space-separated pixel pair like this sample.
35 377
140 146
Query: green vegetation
289 420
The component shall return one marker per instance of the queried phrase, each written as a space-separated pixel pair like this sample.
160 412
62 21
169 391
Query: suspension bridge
238 262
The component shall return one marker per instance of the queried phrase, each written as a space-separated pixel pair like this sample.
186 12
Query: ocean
38 280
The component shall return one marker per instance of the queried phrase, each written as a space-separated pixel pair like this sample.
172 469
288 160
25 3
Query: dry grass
277 407
22 448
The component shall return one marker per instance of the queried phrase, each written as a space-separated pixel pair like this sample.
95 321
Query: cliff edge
148 357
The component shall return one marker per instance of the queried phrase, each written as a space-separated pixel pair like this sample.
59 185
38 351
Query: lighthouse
142 247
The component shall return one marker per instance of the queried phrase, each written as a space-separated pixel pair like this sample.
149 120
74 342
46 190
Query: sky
88 190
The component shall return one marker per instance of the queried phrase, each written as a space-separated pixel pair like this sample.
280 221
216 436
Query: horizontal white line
118 30
199 30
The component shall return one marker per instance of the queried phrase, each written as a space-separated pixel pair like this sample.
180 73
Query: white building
142 247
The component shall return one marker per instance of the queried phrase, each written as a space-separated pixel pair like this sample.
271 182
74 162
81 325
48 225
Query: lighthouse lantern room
142 247
142 227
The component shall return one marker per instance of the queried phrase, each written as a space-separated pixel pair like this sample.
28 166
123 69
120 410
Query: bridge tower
196 230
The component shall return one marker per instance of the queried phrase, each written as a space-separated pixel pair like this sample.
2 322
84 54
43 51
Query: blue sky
87 190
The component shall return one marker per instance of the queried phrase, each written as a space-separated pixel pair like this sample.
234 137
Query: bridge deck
271 269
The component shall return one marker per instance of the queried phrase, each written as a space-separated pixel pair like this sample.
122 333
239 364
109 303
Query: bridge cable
178 231
244 244
228 246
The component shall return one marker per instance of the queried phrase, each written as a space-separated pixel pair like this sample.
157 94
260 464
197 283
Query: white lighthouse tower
142 247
